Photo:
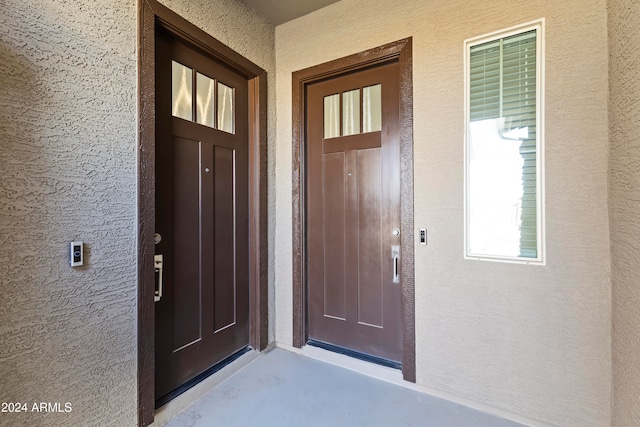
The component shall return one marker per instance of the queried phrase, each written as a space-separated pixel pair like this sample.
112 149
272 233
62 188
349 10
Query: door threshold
380 372
355 354
203 376
187 397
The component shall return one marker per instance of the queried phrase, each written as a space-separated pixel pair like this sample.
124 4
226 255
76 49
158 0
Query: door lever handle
395 257
157 263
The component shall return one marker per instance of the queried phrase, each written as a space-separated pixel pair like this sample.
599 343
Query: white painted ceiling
281 11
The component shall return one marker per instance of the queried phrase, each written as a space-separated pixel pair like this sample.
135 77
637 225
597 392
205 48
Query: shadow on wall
39 301
29 172
18 148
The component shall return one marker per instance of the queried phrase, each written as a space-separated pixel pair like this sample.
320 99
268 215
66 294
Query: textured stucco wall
532 340
68 172
624 206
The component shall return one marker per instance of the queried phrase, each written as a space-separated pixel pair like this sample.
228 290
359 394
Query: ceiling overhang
281 11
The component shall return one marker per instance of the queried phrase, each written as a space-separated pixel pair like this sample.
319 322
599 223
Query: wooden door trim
400 51
152 16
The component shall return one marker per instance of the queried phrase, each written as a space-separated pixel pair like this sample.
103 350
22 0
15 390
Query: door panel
353 205
224 238
334 234
202 217
186 221
370 250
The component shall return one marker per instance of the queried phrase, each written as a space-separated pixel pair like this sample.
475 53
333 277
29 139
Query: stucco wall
68 172
532 340
624 206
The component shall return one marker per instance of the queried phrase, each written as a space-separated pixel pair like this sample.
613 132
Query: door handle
157 263
395 257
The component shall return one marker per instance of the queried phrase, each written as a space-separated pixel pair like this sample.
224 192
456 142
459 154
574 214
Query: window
206 103
503 148
355 120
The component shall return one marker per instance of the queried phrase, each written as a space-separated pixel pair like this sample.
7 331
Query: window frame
539 27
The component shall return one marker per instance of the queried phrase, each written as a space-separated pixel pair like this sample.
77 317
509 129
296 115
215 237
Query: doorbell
76 255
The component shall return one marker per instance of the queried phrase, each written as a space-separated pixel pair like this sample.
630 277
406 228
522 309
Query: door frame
152 16
400 51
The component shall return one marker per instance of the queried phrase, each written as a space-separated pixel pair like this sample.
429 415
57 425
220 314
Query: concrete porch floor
281 388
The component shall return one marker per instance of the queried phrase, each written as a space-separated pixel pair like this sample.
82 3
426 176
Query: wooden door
353 212
201 214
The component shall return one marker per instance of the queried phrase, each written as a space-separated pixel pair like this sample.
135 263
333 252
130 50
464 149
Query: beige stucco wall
624 206
531 340
68 171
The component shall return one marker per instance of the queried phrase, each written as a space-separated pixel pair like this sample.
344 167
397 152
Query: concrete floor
287 389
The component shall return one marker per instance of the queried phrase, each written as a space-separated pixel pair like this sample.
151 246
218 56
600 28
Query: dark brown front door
353 212
201 214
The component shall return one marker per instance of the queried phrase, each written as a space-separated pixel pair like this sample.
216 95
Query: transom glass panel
205 100
349 113
214 101
332 116
182 91
372 108
226 115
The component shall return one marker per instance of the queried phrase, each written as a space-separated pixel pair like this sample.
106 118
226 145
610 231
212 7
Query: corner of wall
624 207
